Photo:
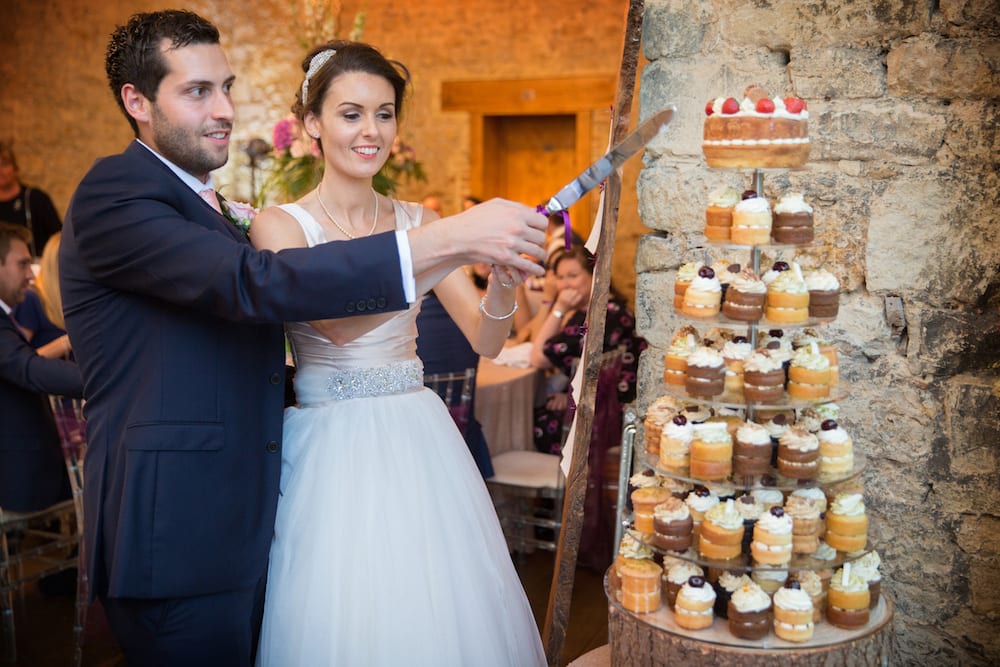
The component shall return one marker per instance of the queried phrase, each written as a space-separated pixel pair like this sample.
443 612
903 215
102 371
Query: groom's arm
137 230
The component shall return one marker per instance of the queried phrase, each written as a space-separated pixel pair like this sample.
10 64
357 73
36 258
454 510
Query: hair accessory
482 309
315 65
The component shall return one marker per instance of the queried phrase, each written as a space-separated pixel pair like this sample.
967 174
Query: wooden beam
518 97
561 592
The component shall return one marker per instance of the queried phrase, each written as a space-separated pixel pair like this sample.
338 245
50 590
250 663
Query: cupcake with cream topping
763 378
809 374
705 374
751 222
798 454
719 213
867 566
721 535
824 294
749 612
734 353
793 613
848 599
847 523
703 296
787 299
793 219
772 538
725 586
685 274
684 342
744 300
694 604
677 575
813 586
836 449
675 444
699 501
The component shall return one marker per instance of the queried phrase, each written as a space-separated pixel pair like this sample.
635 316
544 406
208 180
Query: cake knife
613 159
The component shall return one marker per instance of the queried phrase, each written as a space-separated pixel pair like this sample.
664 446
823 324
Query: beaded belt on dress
394 378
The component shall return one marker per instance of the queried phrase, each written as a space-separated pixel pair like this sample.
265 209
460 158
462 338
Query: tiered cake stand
654 638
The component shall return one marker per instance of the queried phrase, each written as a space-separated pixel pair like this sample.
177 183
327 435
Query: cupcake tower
752 510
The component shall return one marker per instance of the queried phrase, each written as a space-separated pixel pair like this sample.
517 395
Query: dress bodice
381 361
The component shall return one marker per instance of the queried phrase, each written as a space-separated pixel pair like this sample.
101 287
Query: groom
176 323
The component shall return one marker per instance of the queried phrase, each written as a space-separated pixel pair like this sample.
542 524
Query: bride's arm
461 299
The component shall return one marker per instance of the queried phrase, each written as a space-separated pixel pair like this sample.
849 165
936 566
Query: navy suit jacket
176 324
32 472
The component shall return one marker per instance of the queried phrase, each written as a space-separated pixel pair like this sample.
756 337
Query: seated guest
443 348
32 473
558 344
40 314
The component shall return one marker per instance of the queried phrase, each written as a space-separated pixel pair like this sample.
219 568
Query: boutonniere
239 213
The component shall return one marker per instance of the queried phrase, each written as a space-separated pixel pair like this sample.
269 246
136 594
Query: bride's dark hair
347 57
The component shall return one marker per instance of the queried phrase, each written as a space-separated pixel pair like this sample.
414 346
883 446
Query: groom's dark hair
134 52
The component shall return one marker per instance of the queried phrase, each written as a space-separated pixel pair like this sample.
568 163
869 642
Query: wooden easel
560 594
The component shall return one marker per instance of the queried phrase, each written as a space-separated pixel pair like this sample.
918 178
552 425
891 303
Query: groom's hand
504 233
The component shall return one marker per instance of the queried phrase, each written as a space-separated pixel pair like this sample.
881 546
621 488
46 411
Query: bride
387 549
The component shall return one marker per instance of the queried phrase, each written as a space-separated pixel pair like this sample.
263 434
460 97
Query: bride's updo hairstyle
326 62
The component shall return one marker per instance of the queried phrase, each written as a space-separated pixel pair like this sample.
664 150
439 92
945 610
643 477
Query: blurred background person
40 314
558 344
25 205
32 472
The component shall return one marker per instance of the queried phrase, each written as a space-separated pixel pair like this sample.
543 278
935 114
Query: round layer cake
758 132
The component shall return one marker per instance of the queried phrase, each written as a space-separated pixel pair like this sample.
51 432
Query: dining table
505 402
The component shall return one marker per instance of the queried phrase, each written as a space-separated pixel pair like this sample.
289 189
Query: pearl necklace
319 196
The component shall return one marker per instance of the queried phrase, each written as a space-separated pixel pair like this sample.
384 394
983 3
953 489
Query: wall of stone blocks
903 174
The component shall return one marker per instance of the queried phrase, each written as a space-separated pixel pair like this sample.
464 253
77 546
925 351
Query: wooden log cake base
644 640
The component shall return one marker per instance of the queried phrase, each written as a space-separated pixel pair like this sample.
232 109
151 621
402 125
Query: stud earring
315 135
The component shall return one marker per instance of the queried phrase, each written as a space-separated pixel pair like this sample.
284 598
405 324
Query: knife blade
616 157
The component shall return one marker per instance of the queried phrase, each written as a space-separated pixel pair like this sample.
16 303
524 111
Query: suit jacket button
361 305
381 302
272 447
371 304
350 307
275 378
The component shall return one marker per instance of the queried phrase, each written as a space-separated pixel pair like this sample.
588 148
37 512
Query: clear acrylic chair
41 543
455 389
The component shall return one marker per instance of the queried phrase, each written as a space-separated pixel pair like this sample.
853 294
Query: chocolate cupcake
763 378
672 525
751 450
744 299
725 585
677 575
798 454
824 294
749 612
706 373
792 220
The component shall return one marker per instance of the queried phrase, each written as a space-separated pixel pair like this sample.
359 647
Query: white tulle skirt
387 549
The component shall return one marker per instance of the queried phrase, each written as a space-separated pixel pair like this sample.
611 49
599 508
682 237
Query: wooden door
528 158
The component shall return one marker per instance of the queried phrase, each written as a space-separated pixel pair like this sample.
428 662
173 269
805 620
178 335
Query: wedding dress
387 549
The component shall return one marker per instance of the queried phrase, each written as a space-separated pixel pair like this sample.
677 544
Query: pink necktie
208 194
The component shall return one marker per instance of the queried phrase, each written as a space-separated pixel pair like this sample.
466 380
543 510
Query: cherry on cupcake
680 420
706 272
792 583
733 268
780 266
708 107
777 511
780 419
696 582
749 194
730 106
828 425
740 339
702 491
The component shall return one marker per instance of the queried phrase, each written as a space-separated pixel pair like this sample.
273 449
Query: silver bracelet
482 309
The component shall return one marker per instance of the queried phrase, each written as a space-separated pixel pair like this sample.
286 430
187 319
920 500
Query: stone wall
903 100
